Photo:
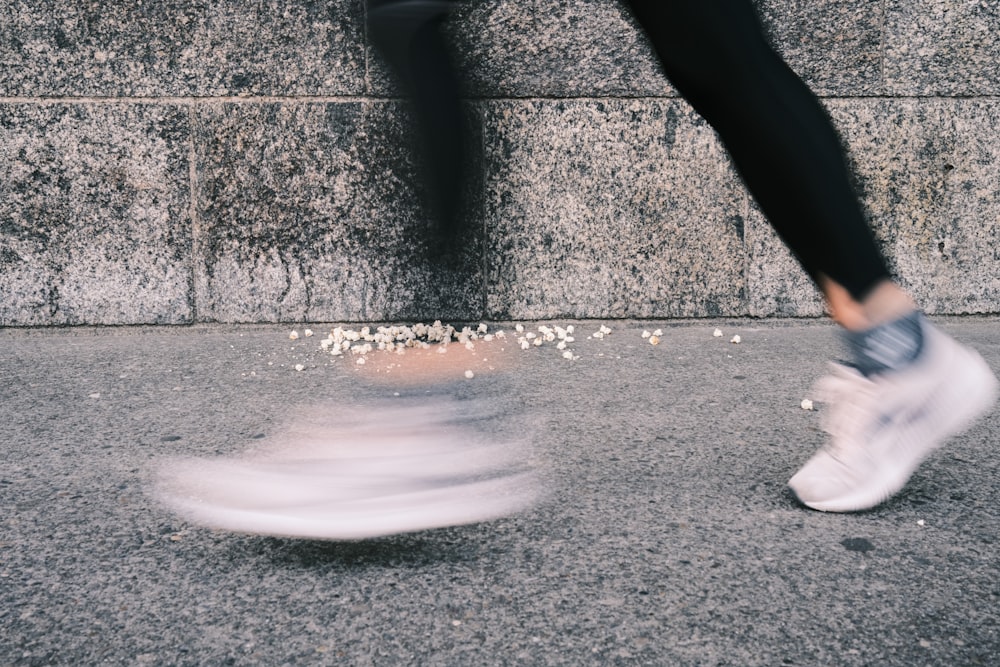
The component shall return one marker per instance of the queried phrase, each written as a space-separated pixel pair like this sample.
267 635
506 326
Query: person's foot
883 426
398 467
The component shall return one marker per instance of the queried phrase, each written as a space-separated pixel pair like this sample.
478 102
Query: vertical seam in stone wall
883 48
480 196
367 51
193 210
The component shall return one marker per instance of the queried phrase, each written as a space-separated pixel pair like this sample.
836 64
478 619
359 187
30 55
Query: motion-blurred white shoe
882 427
397 467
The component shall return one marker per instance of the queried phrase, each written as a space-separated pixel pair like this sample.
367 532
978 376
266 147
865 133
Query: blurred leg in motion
910 386
408 35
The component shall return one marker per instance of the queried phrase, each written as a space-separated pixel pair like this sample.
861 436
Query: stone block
311 212
540 48
123 48
834 45
613 208
929 175
594 48
942 47
94 214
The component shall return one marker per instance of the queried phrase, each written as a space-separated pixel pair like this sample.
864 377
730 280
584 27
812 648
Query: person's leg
912 386
408 36
778 135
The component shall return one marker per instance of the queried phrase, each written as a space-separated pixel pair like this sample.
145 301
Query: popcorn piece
605 330
561 345
294 335
524 343
537 342
299 367
308 333
717 333
658 332
469 374
568 354
361 361
482 328
646 334
519 328
736 339
654 340
806 404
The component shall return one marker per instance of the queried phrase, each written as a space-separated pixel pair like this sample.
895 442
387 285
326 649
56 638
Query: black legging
716 55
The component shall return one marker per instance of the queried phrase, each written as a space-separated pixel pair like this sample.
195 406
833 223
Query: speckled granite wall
238 161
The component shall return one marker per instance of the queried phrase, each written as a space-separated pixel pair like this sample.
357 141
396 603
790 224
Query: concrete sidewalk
668 537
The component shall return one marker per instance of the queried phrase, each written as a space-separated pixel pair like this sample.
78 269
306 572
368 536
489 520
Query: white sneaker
395 468
884 426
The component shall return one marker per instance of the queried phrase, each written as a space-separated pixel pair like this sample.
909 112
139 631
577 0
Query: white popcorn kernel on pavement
561 345
921 522
568 354
658 332
605 330
524 344
442 349
529 335
308 333
361 361
519 328
717 333
646 334
482 328
806 404
537 342
569 329
597 334
654 340
736 339
294 335
469 374
299 367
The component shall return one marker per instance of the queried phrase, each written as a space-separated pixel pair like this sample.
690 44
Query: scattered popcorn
482 328
469 374
561 345
921 522
654 340
597 334
299 367
806 404
519 328
442 349
308 333
646 334
524 343
568 354
658 332
361 361
605 330
294 335
717 333
537 342
736 339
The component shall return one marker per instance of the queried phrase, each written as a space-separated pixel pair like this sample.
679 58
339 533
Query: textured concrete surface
94 214
668 538
179 48
615 208
248 162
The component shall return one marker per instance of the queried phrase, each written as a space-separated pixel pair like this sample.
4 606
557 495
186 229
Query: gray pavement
667 537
